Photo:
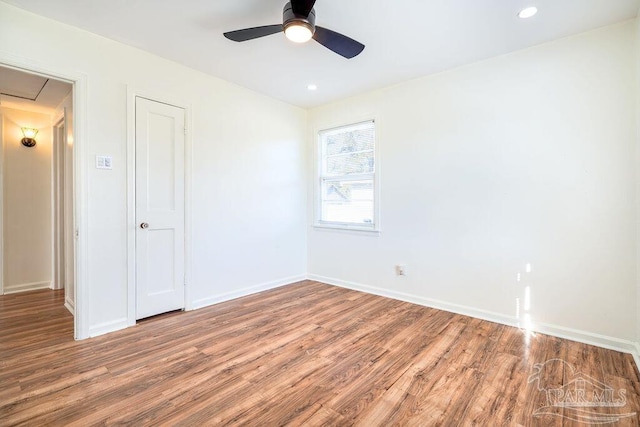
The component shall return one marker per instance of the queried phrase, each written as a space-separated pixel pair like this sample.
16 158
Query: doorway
37 224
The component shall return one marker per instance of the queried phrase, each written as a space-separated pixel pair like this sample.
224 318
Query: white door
159 174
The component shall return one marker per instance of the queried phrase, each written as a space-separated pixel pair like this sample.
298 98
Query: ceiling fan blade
339 43
253 33
302 7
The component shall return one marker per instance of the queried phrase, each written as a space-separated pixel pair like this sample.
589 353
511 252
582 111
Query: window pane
348 202
348 149
348 141
343 164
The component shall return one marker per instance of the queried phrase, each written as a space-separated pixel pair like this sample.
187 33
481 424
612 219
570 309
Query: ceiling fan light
298 33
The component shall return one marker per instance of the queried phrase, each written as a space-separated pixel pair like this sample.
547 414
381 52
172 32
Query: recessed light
312 87
528 12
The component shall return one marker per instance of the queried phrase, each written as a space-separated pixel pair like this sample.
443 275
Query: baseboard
24 287
636 357
427 302
116 325
106 327
69 305
215 299
553 330
543 328
585 337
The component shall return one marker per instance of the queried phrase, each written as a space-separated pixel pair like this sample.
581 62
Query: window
347 177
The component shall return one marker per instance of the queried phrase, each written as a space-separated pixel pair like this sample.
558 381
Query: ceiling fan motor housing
299 26
290 18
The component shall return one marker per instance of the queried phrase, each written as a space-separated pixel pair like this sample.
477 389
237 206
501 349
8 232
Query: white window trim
375 229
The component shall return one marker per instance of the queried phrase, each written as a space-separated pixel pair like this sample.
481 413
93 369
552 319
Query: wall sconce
29 139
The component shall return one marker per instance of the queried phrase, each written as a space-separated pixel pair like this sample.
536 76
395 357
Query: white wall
26 205
248 174
249 197
527 158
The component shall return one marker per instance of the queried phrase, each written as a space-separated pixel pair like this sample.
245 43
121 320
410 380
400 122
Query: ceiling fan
299 25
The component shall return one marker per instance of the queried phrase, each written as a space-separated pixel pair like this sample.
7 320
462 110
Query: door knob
144 225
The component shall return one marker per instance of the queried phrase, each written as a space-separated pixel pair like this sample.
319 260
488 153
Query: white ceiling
404 39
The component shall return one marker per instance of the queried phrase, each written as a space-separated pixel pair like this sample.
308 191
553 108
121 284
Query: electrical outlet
401 270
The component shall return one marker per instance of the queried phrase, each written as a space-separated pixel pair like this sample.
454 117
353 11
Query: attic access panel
19 84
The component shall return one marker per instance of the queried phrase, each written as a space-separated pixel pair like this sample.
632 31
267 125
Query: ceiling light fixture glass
299 32
312 87
527 12
29 139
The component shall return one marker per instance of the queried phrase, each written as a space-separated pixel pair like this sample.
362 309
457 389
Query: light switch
104 162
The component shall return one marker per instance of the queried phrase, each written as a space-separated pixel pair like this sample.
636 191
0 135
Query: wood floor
304 354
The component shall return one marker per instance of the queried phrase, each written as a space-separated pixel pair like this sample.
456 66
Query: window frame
318 180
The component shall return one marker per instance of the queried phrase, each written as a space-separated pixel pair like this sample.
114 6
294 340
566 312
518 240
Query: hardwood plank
498 397
305 354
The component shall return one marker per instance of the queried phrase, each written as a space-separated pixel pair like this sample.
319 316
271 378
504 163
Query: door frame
80 174
58 193
132 94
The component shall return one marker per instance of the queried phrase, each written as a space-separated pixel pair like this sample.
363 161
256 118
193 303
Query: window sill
346 229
